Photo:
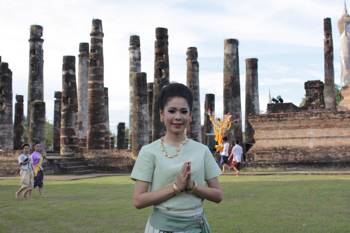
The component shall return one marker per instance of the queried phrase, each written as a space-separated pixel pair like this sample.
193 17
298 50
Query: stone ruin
6 123
287 134
316 134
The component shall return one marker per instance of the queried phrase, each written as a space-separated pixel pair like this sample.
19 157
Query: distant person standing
26 172
224 154
236 153
38 160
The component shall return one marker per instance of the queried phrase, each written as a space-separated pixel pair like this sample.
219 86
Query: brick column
232 91
96 109
139 123
18 129
69 139
195 130
161 78
252 97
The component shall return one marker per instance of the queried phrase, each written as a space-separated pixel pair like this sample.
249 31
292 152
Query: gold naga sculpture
220 128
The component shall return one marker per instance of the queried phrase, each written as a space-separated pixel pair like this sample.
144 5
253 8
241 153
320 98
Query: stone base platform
297 166
97 161
312 137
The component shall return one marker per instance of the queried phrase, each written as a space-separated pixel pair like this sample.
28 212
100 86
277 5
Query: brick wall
115 160
301 136
103 160
8 162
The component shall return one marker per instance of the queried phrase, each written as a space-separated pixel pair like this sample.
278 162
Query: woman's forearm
146 199
211 191
205 192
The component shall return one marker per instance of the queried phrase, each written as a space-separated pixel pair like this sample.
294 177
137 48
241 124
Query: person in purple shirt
37 160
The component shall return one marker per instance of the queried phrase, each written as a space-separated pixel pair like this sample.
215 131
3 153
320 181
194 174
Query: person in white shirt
225 154
236 153
26 172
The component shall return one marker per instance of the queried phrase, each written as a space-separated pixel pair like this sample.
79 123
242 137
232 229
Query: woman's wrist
192 187
176 189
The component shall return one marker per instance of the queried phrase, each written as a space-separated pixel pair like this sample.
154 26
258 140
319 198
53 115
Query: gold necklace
178 149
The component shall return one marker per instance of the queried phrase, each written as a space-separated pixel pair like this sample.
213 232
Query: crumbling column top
36 32
231 41
251 63
58 94
96 27
19 98
134 41
68 59
4 66
192 53
84 47
161 33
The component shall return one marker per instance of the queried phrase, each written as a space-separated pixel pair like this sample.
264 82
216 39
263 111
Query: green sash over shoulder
167 222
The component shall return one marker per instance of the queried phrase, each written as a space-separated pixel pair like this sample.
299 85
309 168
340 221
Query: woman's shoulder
151 146
197 145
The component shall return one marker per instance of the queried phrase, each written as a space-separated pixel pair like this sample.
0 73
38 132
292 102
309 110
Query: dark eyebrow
181 109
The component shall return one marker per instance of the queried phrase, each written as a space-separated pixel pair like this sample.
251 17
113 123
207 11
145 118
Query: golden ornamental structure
220 127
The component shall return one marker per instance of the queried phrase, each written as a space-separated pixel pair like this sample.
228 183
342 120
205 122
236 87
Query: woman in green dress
174 174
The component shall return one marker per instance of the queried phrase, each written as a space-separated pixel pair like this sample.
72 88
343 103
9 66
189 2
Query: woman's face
176 115
37 147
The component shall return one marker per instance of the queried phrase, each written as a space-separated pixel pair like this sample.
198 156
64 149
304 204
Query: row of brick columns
81 119
150 115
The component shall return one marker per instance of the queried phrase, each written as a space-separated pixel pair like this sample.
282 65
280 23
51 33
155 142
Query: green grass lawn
251 204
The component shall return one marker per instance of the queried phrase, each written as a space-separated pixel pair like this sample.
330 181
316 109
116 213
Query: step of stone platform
296 165
67 165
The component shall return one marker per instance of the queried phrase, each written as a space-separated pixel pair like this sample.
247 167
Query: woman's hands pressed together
184 176
184 182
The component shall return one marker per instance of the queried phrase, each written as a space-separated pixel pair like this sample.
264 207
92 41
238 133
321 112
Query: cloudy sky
285 35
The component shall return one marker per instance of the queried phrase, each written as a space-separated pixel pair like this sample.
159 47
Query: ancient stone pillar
108 134
57 122
121 136
329 88
208 130
18 129
150 102
96 109
37 123
232 89
139 121
161 78
68 139
83 75
252 97
6 123
36 64
194 130
112 142
314 98
134 66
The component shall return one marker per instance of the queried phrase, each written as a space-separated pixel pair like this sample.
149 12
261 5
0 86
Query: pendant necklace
178 149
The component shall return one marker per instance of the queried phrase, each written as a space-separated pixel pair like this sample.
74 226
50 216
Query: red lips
177 125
